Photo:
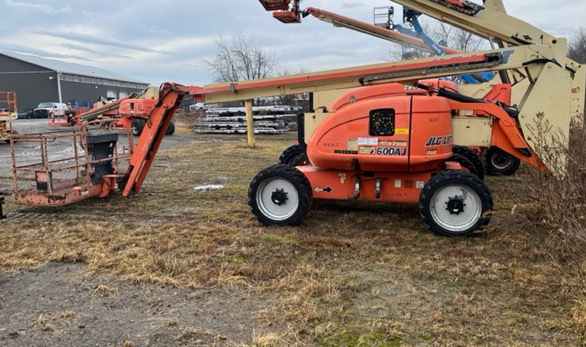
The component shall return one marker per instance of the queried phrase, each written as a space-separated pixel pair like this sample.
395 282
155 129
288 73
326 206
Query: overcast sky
169 40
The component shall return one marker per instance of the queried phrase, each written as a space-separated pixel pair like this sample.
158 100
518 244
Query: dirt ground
177 265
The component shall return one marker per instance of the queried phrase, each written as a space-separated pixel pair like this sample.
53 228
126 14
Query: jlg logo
435 141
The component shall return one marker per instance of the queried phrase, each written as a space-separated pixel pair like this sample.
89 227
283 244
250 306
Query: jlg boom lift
376 145
497 162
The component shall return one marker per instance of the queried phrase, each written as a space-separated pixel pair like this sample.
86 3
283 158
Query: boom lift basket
287 17
275 5
93 168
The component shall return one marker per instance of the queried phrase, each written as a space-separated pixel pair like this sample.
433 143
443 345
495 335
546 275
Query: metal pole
249 123
59 87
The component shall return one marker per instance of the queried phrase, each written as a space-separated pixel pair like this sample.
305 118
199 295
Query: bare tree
456 38
577 48
240 58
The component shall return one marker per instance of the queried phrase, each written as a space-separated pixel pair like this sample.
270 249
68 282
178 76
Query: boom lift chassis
382 151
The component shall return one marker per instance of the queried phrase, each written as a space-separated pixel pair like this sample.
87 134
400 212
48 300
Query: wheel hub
455 205
279 197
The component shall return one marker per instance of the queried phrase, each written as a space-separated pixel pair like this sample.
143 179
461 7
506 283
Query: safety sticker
420 184
368 141
401 131
324 189
393 143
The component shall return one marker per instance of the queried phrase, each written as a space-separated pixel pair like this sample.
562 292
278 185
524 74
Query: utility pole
59 87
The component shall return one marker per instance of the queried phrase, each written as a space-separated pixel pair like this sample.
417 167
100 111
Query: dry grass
50 323
353 274
104 290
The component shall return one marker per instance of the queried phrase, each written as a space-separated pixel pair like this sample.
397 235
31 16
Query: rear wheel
501 163
299 160
291 155
455 204
137 127
473 157
467 165
280 195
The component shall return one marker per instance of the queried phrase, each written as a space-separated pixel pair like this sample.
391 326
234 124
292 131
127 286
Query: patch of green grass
238 261
354 337
278 238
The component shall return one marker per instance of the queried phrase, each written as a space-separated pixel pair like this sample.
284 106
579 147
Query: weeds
560 196
559 209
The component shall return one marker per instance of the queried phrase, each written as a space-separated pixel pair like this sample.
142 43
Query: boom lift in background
130 112
375 144
8 113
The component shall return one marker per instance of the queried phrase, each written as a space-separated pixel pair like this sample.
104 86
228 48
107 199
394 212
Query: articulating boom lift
380 143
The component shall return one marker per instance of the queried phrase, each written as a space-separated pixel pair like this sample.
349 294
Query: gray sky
169 40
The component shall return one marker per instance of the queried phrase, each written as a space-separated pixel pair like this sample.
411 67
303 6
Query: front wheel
280 195
455 204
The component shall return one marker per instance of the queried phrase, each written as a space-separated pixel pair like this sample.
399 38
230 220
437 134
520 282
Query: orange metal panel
341 185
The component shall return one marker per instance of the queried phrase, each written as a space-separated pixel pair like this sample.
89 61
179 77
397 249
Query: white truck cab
48 109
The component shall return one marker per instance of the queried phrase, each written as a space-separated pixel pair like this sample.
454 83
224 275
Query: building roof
69 68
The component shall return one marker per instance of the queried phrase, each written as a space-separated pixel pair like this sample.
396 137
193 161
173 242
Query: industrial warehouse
57 81
370 173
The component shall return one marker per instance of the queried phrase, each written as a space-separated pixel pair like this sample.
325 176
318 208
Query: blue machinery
412 17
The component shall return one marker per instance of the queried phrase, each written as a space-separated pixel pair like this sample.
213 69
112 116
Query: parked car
45 109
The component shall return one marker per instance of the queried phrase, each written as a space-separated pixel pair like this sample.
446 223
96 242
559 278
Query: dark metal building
36 80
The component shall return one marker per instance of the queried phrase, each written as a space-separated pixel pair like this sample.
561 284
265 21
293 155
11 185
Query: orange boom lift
388 142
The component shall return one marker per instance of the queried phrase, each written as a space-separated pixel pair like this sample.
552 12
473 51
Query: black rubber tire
170 129
491 154
290 154
473 157
138 126
454 177
299 181
300 160
466 164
